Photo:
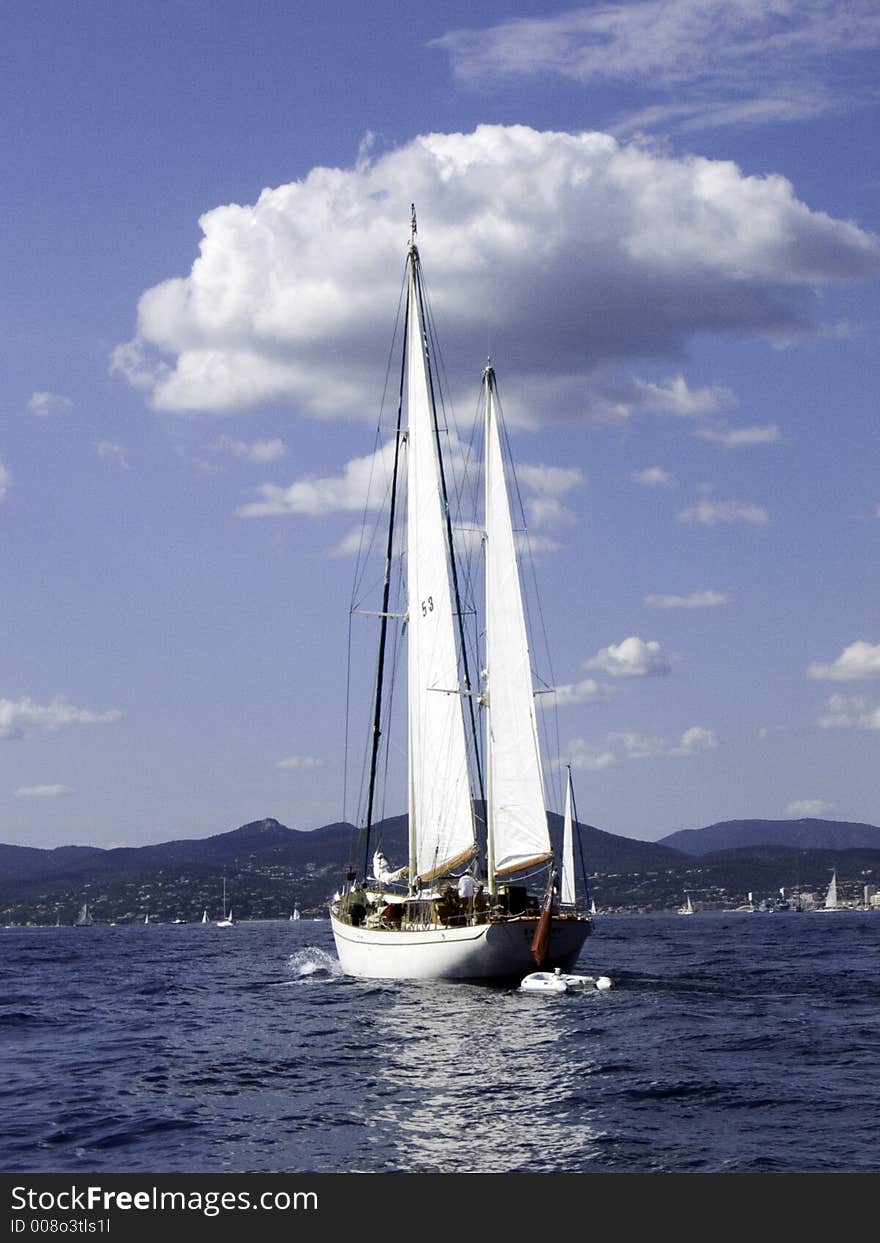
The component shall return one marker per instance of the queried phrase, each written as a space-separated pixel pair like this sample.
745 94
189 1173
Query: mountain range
269 867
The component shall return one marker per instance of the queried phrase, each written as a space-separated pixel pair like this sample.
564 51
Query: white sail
517 817
831 895
441 819
567 888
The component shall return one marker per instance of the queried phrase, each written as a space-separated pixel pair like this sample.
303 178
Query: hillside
797 834
269 867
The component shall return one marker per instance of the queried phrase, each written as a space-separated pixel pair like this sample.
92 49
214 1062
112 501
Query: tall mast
488 378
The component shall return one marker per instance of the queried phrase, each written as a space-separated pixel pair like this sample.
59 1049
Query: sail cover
441 820
517 812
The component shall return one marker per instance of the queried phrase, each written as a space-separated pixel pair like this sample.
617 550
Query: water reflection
476 1080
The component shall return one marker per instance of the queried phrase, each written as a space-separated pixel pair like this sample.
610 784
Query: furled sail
441 819
567 891
517 811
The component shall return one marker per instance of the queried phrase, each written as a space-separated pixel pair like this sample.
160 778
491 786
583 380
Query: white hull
479 952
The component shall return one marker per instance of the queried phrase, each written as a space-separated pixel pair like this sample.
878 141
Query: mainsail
517 817
440 815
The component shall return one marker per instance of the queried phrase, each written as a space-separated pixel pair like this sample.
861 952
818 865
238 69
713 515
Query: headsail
441 819
519 836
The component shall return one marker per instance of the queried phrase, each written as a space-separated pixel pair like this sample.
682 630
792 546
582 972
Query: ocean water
728 1043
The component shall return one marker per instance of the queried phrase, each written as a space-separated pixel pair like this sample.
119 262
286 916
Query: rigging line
449 539
576 831
360 566
386 590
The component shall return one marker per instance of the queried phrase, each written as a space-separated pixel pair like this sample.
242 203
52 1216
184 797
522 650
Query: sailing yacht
831 900
460 907
227 921
688 908
84 918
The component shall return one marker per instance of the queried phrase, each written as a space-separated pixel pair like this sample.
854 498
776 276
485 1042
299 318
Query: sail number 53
427 606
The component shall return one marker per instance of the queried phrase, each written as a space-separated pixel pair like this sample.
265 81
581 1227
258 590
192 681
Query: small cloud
696 600
45 404
804 807
22 717
258 451
589 691
633 658
859 660
735 437
5 481
299 762
623 745
361 485
711 513
848 712
653 477
44 791
696 740
111 452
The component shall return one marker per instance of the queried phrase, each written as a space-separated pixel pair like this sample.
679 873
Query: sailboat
227 921
459 908
296 914
688 908
831 900
84 918
205 919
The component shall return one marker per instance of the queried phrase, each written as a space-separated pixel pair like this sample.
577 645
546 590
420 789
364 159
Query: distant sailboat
688 908
296 913
205 919
227 921
831 900
84 918
146 919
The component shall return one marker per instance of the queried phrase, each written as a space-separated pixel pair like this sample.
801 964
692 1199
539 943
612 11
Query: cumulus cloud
848 712
21 717
588 691
45 404
708 62
633 658
257 451
625 255
696 600
616 747
299 762
653 477
859 660
711 513
804 807
57 791
362 485
5 481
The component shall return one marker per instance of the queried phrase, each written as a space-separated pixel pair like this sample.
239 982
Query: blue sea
728 1043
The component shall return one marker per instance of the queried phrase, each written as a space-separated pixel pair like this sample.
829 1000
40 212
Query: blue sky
662 215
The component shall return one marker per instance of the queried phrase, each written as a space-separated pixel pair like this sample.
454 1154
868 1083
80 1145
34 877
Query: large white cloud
579 252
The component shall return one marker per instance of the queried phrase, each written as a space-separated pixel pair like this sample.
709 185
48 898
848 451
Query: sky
661 219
